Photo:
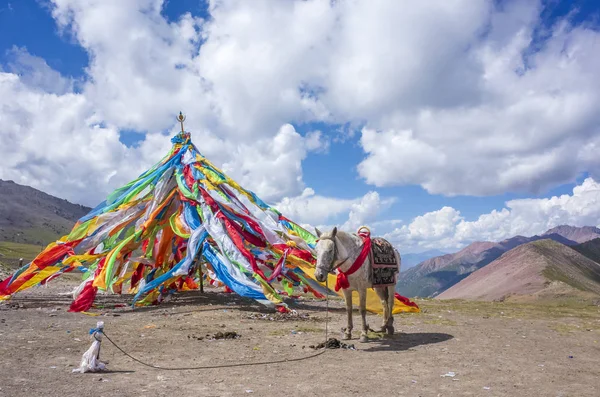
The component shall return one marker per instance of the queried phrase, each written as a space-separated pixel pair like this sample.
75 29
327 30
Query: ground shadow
315 306
35 301
216 300
401 342
187 302
121 304
206 301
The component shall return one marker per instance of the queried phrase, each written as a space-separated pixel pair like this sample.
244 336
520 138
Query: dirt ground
493 349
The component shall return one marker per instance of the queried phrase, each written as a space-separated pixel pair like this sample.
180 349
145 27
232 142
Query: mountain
435 275
591 249
411 260
30 216
439 273
577 234
526 270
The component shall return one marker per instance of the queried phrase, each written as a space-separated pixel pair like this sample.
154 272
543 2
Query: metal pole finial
181 119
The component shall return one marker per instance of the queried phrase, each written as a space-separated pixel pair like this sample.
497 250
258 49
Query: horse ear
334 232
318 232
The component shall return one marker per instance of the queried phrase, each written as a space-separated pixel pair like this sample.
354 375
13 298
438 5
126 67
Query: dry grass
441 321
295 330
11 252
551 308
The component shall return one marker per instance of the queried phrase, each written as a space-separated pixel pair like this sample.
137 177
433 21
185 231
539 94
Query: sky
435 123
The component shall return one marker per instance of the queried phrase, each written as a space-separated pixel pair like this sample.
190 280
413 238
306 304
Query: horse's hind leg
348 299
383 297
362 294
389 326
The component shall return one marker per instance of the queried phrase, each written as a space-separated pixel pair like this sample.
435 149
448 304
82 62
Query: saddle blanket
384 267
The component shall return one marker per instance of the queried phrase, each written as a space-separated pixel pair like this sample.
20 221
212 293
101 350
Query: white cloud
366 210
447 229
58 142
392 55
140 78
49 141
316 141
533 216
314 210
530 122
35 73
436 224
141 66
447 98
271 166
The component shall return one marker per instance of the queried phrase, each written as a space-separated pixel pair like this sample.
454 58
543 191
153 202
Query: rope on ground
287 360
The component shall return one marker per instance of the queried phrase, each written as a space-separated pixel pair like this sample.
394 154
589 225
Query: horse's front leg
362 295
348 299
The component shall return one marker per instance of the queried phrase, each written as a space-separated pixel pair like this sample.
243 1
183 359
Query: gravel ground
450 349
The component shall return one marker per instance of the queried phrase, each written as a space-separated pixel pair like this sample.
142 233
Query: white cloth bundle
90 362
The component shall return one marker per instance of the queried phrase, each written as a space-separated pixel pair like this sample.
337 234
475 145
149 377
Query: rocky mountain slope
527 270
577 234
30 216
435 275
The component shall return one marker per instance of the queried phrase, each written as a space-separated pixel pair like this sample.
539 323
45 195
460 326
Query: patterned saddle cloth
384 267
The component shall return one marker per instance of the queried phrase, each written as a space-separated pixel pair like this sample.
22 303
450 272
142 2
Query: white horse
339 250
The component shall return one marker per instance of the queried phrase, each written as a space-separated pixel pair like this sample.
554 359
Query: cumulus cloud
49 141
317 141
457 96
310 208
142 75
138 79
529 123
313 210
447 229
366 210
451 95
271 166
35 73
56 140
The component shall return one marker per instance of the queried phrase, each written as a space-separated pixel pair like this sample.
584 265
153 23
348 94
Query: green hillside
591 249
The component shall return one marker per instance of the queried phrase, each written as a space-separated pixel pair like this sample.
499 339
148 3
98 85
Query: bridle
335 255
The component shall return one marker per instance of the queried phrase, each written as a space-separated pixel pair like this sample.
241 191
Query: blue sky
342 168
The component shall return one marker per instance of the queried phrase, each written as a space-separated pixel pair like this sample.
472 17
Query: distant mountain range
530 269
30 216
435 275
411 260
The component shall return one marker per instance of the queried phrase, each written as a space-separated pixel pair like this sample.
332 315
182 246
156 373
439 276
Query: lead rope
234 364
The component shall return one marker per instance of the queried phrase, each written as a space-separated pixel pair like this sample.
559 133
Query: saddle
384 267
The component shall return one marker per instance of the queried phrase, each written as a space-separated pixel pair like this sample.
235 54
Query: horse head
326 253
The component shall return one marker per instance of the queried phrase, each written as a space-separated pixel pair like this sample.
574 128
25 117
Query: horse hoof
389 330
363 339
347 336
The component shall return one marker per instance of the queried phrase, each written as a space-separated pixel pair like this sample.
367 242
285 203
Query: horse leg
362 294
389 326
383 297
348 299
